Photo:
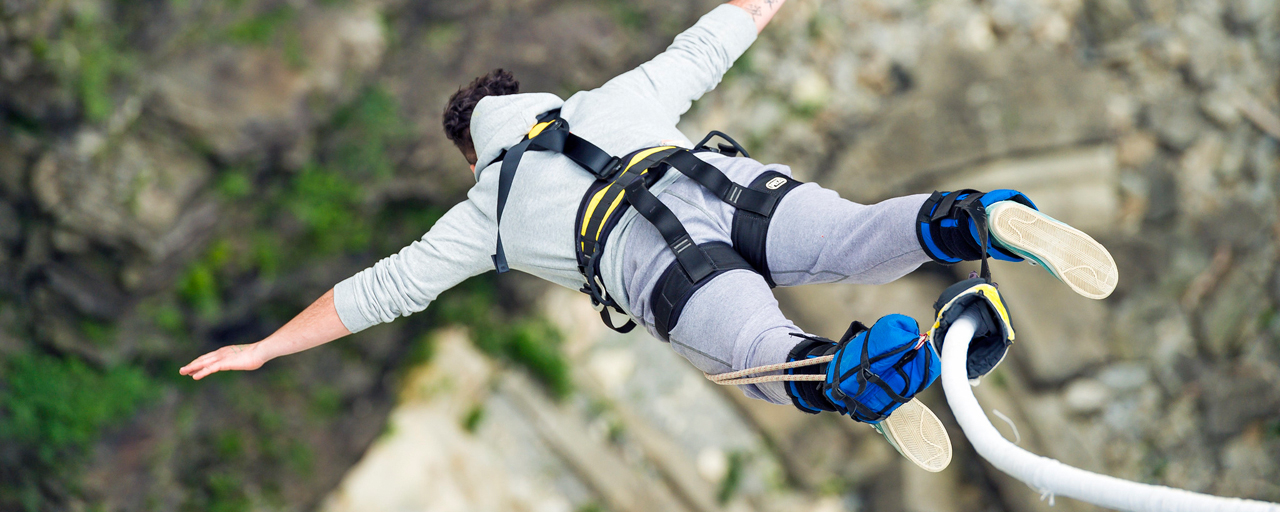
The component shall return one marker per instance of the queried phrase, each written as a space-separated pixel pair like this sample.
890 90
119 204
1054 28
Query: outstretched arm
456 247
760 10
314 326
696 60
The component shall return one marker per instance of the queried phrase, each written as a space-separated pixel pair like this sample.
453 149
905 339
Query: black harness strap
751 229
691 258
510 162
709 176
619 188
675 287
554 137
593 226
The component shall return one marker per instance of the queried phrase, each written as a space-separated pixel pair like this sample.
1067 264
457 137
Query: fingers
198 363
233 357
199 369
206 372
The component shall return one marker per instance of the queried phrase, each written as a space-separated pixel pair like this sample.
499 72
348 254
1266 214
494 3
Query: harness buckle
610 170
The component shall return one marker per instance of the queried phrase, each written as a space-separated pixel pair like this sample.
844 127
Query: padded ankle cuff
808 396
948 233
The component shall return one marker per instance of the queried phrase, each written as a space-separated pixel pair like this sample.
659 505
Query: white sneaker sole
919 436
1068 253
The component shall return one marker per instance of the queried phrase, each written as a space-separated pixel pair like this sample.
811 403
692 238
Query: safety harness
624 182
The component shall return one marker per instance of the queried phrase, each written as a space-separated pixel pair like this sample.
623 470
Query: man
722 318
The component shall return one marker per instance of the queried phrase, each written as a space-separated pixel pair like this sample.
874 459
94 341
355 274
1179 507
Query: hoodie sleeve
457 247
694 63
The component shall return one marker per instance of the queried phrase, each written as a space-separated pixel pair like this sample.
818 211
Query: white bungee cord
1048 476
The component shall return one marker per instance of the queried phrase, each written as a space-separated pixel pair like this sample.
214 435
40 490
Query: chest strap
550 134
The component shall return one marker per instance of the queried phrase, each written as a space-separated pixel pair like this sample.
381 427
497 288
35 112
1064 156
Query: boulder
970 108
245 101
135 192
1076 186
1059 334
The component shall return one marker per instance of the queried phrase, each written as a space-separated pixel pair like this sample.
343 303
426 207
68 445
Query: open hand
231 357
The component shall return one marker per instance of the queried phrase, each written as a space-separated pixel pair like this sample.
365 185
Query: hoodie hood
499 122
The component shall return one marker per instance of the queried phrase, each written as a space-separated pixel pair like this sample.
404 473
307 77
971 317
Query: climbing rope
1048 476
741 377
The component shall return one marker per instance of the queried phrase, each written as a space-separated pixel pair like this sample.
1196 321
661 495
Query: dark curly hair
457 114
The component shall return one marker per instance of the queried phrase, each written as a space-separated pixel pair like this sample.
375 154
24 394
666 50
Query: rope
742 377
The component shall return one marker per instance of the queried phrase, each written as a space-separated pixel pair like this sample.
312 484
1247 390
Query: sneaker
1066 252
917 434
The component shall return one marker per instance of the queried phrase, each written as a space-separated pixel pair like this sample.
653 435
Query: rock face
178 176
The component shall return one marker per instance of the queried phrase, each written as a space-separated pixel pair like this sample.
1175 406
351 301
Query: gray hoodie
637 109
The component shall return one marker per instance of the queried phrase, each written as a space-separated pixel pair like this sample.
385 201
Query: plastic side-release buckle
610 169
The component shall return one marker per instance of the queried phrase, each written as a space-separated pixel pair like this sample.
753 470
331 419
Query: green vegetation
226 493
327 203
743 67
617 431
100 60
420 353
531 342
199 286
475 415
300 458
732 478
60 404
442 36
326 402
168 317
628 15
999 379
52 409
234 183
98 332
199 289
262 29
364 131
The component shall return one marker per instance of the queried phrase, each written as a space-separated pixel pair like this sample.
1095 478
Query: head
457 114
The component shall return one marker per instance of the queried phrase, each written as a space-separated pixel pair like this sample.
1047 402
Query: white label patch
775 184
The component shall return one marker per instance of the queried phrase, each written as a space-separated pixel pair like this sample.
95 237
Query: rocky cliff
179 175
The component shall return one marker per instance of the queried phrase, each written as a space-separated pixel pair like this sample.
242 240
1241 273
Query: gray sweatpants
733 322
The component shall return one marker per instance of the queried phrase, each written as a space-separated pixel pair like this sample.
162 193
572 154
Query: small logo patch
775 184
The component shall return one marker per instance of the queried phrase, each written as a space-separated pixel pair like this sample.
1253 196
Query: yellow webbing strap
595 199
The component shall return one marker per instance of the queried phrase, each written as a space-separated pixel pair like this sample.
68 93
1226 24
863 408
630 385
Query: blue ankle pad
993 197
943 239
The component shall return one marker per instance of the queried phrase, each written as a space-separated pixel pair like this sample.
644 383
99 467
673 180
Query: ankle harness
873 372
624 182
952 226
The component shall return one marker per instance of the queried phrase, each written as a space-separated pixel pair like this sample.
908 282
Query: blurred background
178 175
